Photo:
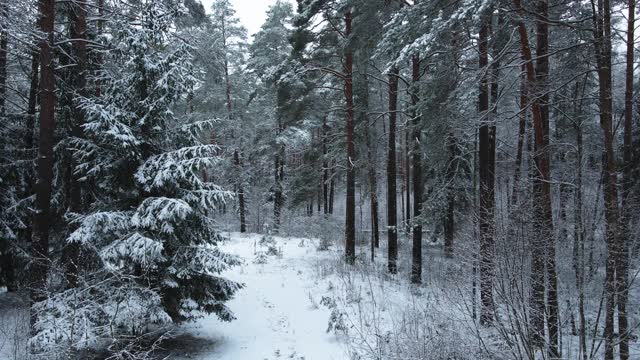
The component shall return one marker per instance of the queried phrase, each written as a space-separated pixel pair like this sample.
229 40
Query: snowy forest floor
307 304
277 312
303 303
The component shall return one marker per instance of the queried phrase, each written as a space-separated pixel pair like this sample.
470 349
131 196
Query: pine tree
149 237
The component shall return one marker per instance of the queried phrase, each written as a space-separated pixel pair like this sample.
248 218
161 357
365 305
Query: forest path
277 312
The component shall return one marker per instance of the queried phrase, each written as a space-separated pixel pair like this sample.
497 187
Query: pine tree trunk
99 60
416 251
449 220
78 33
392 222
522 127
371 171
486 187
350 229
545 216
6 258
407 178
29 139
622 270
603 61
241 203
332 188
236 155
578 246
43 189
542 196
4 41
325 167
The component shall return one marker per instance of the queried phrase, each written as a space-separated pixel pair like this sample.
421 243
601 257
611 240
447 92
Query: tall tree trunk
542 194
332 188
350 221
578 245
486 186
6 258
449 218
602 23
418 181
43 188
392 222
407 178
278 201
99 60
29 139
325 167
79 34
522 127
622 271
4 40
545 215
236 152
371 170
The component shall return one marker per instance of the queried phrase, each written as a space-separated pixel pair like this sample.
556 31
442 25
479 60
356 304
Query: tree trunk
407 178
371 170
622 270
278 201
6 258
332 187
99 60
236 155
392 222
325 167
521 133
449 220
350 223
486 186
578 246
79 34
602 23
545 216
43 188
241 204
418 181
4 40
542 195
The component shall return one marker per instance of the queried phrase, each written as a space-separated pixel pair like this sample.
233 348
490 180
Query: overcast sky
252 13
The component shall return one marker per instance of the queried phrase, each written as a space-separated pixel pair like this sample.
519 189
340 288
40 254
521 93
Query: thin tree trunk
350 230
407 178
4 41
332 187
43 188
6 258
236 152
99 59
578 251
542 195
602 23
416 253
521 134
392 222
449 218
545 214
325 167
79 33
486 188
622 270
371 172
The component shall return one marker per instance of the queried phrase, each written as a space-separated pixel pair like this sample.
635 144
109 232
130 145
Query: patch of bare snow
277 312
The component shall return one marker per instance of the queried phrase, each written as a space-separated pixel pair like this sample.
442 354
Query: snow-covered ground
278 316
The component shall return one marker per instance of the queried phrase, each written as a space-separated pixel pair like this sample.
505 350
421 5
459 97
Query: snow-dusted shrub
150 232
